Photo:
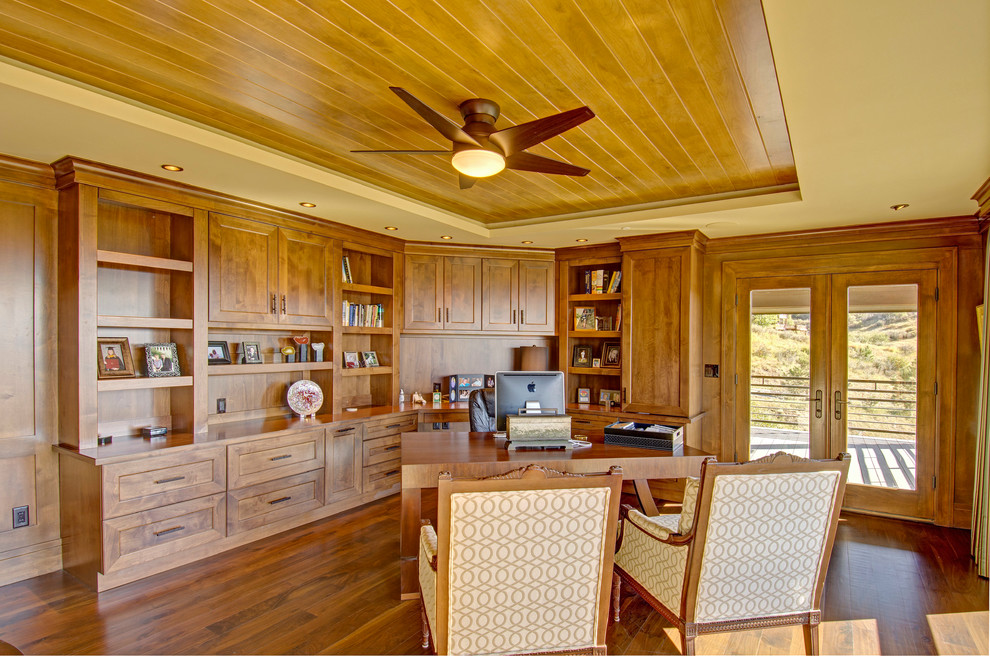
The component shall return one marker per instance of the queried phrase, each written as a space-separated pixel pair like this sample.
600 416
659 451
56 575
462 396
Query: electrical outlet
21 517
221 406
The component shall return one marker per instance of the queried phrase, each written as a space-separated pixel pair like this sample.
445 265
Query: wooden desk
476 455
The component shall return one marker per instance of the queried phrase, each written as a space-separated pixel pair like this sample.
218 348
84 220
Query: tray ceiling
685 93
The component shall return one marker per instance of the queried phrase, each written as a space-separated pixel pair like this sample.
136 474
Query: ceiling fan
479 150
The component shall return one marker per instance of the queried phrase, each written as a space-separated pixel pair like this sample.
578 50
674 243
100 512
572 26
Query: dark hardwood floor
332 588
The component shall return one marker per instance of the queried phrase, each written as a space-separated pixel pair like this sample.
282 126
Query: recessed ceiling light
308 204
171 167
625 228
391 228
580 240
445 237
899 206
527 242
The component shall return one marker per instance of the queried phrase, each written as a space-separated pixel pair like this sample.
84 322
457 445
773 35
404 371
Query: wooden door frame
944 259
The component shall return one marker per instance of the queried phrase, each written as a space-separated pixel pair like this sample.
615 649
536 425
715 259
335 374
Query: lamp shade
533 358
478 162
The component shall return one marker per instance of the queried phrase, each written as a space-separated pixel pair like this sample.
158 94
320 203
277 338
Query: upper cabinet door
423 292
536 297
500 295
304 266
243 270
462 293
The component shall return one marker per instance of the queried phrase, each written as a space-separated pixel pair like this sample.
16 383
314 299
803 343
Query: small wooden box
530 431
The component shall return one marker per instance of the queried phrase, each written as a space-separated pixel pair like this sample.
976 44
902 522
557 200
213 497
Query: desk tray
631 433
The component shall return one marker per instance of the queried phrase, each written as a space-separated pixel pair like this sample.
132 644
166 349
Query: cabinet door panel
536 296
243 270
304 278
500 295
423 285
344 451
462 293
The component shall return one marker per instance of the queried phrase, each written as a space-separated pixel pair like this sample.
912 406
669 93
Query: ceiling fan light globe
477 163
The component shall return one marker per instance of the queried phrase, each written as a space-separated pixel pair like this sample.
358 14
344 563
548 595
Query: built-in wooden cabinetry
478 291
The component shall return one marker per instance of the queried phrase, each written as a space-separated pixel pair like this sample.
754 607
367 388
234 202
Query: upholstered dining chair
520 563
749 550
481 410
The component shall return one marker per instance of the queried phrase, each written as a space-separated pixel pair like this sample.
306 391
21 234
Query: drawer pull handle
169 480
345 430
392 448
391 473
581 421
274 501
282 457
393 425
158 534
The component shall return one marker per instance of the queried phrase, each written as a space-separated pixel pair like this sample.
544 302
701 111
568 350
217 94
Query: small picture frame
113 358
611 355
584 318
605 397
369 359
489 381
217 353
582 356
584 395
351 360
161 360
596 362
252 352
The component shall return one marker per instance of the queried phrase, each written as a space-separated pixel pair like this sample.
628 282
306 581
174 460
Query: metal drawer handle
392 448
279 500
282 457
169 480
394 471
158 534
345 430
393 425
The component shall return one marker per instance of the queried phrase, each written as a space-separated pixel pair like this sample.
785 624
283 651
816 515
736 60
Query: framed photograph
582 356
217 353
596 362
489 381
584 395
369 359
584 318
605 397
351 360
162 359
113 355
611 355
252 352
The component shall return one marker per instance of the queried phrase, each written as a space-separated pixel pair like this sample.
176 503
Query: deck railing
878 408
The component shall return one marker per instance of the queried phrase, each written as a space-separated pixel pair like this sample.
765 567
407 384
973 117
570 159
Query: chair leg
616 591
426 627
811 645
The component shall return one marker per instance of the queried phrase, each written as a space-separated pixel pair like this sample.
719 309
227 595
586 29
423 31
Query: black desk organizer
627 433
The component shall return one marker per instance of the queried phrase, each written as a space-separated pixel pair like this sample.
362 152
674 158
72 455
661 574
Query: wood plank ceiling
684 91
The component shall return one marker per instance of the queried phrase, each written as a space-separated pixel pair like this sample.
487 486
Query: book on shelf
600 281
613 283
367 315
346 264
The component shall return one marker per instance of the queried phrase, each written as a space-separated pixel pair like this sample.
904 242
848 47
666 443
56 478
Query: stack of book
601 281
369 315
346 272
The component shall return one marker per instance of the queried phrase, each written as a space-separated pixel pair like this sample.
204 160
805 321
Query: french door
843 362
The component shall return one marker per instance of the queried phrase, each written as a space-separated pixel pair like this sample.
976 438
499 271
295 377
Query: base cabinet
344 450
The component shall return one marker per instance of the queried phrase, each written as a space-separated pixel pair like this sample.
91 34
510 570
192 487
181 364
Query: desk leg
645 498
409 523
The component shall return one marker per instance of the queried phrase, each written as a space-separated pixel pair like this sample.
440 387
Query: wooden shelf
266 368
594 297
595 371
367 371
116 384
366 289
240 326
143 261
576 334
107 321
366 330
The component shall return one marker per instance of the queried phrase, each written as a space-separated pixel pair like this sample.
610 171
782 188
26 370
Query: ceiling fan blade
520 137
405 152
441 123
466 181
539 164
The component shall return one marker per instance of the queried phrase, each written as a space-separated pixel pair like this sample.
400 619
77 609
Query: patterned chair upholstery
520 563
749 550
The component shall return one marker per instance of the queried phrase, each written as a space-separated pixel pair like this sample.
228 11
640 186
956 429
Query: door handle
283 303
448 315
818 404
274 304
439 315
513 316
522 314
838 404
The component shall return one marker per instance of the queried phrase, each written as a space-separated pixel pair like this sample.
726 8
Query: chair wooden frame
684 617
531 477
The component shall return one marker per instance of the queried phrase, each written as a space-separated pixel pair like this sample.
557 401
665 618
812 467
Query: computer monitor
515 390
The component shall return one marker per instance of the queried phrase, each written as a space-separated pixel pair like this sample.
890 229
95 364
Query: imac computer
528 392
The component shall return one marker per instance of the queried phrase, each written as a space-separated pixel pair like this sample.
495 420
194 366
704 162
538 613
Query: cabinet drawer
390 426
255 462
383 476
153 534
137 485
269 502
585 423
381 449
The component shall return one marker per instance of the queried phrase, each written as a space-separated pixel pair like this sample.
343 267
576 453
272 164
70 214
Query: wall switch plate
221 406
22 517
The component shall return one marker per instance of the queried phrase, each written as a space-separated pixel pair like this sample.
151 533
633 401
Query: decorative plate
305 397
